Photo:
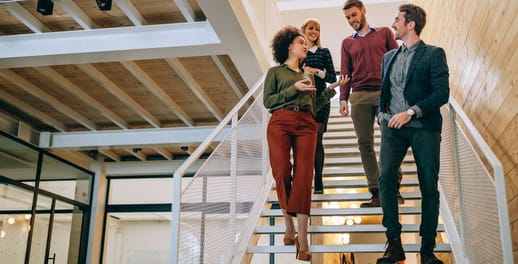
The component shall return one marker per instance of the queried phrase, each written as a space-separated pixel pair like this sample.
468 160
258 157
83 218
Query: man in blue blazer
414 87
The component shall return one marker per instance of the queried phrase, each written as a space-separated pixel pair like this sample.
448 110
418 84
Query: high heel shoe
301 254
288 241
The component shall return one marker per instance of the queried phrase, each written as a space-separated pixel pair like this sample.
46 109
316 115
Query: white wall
333 26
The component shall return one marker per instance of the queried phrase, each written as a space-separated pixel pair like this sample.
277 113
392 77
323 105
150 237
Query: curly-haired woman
293 102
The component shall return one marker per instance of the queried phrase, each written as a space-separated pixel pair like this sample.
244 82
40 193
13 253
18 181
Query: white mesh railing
217 206
473 199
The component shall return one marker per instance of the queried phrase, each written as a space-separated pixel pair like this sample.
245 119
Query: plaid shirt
321 59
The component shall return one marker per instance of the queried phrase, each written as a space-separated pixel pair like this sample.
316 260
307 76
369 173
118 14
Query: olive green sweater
279 91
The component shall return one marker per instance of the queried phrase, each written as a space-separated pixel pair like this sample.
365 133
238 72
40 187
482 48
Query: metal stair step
345 134
339 127
411 182
358 171
331 229
346 151
338 119
329 184
357 248
357 160
403 210
350 151
348 197
345 142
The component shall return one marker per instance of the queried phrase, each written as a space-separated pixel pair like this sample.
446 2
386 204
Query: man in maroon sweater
361 60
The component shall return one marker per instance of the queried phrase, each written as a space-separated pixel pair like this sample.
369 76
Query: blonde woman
319 63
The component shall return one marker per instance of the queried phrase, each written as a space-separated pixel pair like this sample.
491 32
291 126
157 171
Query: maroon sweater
361 60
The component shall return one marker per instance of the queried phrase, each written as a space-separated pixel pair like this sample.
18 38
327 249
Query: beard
360 23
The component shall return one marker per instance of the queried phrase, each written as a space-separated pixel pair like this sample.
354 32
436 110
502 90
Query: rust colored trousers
287 131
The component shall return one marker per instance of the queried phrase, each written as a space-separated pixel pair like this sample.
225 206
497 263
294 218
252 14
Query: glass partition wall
44 205
138 220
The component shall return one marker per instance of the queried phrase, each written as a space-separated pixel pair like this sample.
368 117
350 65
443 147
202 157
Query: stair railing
473 197
212 213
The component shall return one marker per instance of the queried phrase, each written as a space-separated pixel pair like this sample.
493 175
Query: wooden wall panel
481 43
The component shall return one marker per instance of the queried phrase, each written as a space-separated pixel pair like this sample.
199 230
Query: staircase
340 230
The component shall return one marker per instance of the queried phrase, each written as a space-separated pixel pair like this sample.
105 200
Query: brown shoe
300 254
289 241
400 199
373 202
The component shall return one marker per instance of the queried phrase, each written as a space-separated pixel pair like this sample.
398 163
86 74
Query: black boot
427 256
394 252
374 201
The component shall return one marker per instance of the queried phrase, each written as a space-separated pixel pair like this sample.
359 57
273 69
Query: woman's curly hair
281 41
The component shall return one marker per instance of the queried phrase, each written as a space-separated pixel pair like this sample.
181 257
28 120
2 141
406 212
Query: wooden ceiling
144 65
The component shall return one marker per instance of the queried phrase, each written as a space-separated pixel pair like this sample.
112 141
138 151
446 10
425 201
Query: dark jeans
425 146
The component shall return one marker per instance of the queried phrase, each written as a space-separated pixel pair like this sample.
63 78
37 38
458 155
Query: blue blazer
426 84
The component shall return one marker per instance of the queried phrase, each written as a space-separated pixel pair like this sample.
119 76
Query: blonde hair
308 22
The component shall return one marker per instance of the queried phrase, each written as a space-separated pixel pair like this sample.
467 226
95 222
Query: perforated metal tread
348 197
359 248
361 228
344 211
357 170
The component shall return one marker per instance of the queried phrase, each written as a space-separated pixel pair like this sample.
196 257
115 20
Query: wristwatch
410 112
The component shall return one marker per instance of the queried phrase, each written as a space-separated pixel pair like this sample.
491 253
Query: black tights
319 157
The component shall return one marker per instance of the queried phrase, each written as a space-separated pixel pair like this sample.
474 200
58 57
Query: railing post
266 164
233 177
507 248
175 216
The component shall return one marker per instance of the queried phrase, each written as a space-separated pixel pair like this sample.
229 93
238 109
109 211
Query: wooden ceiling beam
227 76
164 153
105 82
76 13
110 154
26 17
186 10
64 83
196 88
27 86
153 87
136 153
28 109
131 12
